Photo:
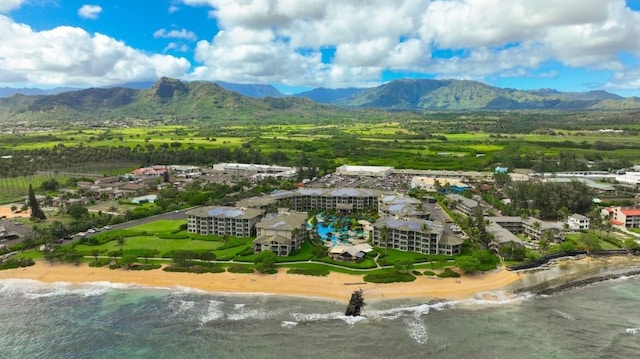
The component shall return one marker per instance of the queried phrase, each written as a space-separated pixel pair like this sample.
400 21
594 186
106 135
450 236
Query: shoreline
492 286
335 287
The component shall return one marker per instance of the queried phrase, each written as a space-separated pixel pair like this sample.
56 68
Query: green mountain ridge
177 101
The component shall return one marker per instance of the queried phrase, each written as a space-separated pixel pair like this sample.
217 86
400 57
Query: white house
578 222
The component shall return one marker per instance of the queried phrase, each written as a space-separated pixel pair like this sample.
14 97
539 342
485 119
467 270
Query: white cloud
173 9
7 6
175 34
89 11
490 38
70 56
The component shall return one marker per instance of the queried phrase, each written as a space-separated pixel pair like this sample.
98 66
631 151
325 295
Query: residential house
350 253
578 222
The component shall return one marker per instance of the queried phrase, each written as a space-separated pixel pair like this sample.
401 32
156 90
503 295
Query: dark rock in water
355 304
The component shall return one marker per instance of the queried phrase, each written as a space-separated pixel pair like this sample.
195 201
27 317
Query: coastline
562 275
335 287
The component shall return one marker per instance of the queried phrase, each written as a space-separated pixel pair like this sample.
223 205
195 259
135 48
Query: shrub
240 269
145 266
448 273
429 273
390 277
16 263
318 272
100 263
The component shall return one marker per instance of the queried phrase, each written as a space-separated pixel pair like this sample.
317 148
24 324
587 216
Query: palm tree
384 237
121 241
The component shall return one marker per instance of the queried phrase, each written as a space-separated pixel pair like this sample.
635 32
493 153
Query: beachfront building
317 199
280 232
530 227
364 171
349 253
621 216
400 206
219 220
578 222
414 235
463 204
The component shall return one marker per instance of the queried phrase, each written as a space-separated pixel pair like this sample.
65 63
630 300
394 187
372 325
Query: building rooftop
225 212
414 225
286 221
464 200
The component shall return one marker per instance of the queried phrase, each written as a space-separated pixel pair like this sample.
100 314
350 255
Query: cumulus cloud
89 11
70 56
485 38
7 6
173 9
175 34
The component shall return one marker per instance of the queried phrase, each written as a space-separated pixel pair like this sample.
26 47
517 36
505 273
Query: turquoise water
116 321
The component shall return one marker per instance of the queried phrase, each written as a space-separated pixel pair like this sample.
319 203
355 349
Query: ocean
103 320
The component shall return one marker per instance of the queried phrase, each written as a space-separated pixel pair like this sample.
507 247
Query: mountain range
168 98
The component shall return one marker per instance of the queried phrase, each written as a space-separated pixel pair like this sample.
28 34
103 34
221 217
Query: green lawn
162 225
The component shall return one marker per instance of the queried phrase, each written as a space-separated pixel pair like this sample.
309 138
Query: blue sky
569 45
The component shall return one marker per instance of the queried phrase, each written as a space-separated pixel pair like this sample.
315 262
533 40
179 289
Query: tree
146 253
608 227
36 212
165 176
95 253
384 238
120 240
77 210
208 256
403 266
73 256
468 264
128 260
265 261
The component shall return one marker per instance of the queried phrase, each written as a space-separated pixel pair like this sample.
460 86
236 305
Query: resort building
463 204
415 235
399 206
620 216
364 171
349 253
578 222
255 171
316 199
530 227
218 220
280 232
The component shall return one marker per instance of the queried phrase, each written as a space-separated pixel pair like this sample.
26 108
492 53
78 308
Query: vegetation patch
240 268
16 263
448 273
429 273
318 272
389 277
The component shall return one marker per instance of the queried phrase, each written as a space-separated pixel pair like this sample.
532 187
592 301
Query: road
179 214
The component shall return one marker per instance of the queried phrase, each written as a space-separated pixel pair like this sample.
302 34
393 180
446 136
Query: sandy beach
335 286
7 213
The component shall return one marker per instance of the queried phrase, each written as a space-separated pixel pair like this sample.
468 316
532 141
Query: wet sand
335 286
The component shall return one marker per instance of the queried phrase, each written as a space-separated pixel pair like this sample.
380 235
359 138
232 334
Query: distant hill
8 91
252 90
468 95
325 95
167 99
174 100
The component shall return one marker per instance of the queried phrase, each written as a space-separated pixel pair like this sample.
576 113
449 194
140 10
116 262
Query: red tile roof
630 212
617 223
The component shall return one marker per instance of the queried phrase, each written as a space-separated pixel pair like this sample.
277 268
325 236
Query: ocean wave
33 289
288 324
633 331
417 330
212 312
321 317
